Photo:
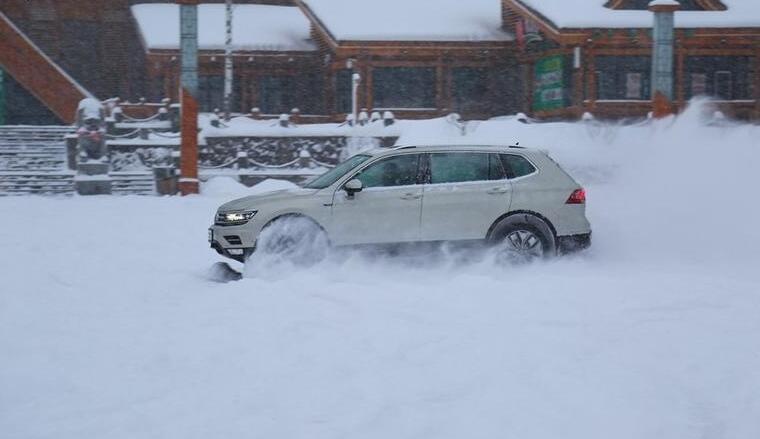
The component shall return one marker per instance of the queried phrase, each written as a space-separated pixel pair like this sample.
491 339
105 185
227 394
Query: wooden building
600 60
479 58
304 57
276 65
417 60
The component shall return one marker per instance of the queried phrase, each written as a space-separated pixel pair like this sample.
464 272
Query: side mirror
353 186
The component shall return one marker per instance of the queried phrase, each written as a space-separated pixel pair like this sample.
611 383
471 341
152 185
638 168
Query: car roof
452 147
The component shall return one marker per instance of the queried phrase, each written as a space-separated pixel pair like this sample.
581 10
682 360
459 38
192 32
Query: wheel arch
530 217
285 215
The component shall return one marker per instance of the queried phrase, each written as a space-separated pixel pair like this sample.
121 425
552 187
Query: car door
465 193
389 207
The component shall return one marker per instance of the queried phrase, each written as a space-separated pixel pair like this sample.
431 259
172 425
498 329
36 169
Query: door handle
497 191
411 196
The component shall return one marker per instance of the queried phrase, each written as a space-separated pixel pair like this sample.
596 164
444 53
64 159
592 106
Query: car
516 199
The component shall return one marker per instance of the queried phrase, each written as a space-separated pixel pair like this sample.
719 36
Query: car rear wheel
521 239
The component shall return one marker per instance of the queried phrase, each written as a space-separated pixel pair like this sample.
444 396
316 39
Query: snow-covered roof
411 20
592 13
255 27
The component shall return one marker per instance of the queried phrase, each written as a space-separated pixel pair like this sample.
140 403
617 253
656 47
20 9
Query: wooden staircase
33 160
132 183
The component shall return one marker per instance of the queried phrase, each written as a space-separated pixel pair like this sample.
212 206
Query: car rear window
516 166
458 167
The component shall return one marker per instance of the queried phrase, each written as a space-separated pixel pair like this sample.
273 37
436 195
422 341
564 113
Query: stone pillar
662 55
93 162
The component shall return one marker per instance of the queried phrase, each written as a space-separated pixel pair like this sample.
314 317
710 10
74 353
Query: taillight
577 197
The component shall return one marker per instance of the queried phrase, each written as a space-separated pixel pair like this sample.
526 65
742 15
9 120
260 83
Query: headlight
234 218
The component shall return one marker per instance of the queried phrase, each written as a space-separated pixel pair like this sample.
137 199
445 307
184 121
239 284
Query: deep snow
110 328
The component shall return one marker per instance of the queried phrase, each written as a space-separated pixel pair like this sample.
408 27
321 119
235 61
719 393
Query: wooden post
440 99
188 181
661 106
757 83
591 80
680 76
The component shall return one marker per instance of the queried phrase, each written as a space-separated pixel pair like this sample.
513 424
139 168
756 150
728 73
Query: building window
281 94
275 94
210 92
633 83
723 85
404 87
310 93
343 90
722 77
698 84
470 89
623 77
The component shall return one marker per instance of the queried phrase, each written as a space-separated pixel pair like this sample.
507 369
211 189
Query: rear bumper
573 243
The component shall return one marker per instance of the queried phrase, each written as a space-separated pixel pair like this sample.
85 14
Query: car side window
516 166
457 167
401 170
495 168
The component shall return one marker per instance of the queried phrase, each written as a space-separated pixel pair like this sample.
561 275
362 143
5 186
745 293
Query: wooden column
366 99
680 72
528 74
591 79
757 82
440 88
188 181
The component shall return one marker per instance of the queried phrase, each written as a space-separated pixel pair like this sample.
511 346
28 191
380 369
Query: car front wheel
293 239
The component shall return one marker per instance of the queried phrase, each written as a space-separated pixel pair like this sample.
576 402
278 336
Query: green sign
548 90
2 98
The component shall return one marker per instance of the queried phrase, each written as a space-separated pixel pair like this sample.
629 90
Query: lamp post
228 61
188 181
662 55
355 81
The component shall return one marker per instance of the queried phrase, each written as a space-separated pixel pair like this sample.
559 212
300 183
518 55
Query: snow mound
230 187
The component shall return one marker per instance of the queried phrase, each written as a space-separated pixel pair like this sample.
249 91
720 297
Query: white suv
517 199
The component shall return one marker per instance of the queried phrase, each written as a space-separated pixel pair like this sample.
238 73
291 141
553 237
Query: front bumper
234 242
238 254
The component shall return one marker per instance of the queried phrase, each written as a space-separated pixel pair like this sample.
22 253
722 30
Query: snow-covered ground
109 327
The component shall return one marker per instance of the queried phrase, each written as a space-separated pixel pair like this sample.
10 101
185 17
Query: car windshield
335 173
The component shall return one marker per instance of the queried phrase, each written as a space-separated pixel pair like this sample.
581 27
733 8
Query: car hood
256 201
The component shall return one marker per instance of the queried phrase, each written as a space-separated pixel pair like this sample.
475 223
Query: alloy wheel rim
524 243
